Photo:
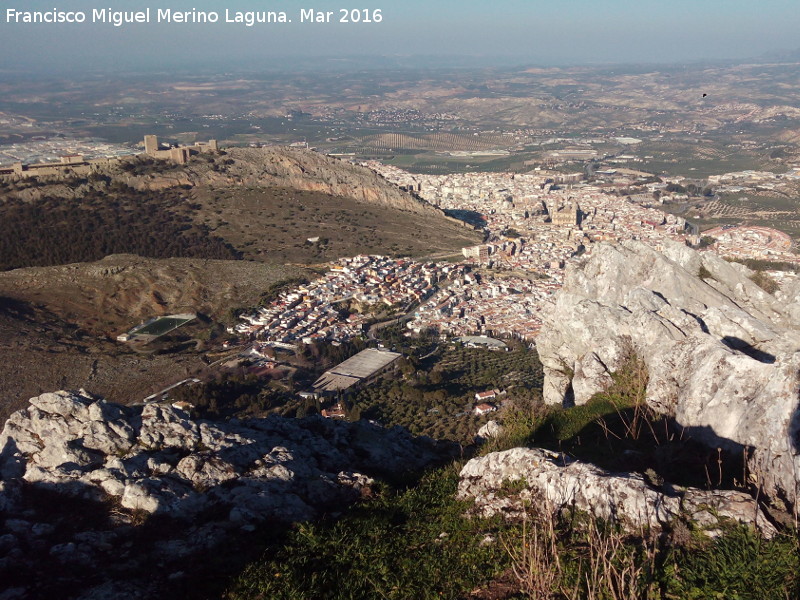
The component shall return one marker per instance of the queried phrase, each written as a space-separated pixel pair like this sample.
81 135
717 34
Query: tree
354 413
706 241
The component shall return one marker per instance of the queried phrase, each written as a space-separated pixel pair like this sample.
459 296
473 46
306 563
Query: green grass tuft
410 544
740 565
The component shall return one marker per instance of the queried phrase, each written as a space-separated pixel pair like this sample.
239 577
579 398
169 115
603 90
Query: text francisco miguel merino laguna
118 18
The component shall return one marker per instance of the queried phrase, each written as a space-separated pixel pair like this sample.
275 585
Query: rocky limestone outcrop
722 355
489 431
158 459
209 479
515 481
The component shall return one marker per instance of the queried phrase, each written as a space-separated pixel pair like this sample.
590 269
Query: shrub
765 282
704 273
738 565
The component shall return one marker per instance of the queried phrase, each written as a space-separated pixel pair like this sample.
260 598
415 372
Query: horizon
389 63
447 34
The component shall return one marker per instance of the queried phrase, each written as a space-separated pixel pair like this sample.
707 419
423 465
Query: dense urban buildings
534 228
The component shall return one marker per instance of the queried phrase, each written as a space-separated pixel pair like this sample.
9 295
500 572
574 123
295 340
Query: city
534 229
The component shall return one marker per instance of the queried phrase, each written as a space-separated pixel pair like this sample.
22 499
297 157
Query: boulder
489 431
167 427
204 480
513 482
157 459
722 355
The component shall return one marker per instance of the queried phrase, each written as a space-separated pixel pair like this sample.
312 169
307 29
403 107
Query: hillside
261 204
170 238
56 322
41 352
280 225
112 294
279 166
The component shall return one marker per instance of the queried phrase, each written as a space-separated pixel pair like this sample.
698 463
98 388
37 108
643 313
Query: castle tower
150 144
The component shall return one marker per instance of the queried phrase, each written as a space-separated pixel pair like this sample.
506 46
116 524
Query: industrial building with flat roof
364 367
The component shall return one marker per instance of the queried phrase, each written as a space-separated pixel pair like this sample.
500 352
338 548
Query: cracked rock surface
722 355
198 481
511 482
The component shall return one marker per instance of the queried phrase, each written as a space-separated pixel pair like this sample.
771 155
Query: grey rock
65 404
42 529
722 355
117 590
20 527
167 427
96 540
205 471
489 431
510 483
7 542
157 459
63 550
208 480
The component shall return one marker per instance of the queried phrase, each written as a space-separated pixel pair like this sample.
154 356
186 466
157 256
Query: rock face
208 478
489 431
505 483
722 355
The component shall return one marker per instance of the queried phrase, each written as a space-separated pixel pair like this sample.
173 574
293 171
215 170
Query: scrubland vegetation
55 231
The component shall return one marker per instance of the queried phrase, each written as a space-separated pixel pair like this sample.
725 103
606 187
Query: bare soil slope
113 294
276 224
57 324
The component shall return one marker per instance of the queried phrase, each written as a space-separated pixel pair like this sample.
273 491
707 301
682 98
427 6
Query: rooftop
365 363
354 369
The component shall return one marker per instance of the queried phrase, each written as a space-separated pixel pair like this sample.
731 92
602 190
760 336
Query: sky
559 32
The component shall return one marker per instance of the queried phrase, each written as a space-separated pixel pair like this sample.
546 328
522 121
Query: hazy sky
527 31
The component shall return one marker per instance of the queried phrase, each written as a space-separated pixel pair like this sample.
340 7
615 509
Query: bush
739 565
704 273
706 241
765 282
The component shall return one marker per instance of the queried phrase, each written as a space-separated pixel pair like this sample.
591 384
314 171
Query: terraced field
762 209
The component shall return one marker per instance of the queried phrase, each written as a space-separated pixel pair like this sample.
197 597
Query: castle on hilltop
77 164
179 154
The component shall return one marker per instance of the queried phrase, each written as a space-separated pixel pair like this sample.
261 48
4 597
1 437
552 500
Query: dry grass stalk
609 567
535 561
